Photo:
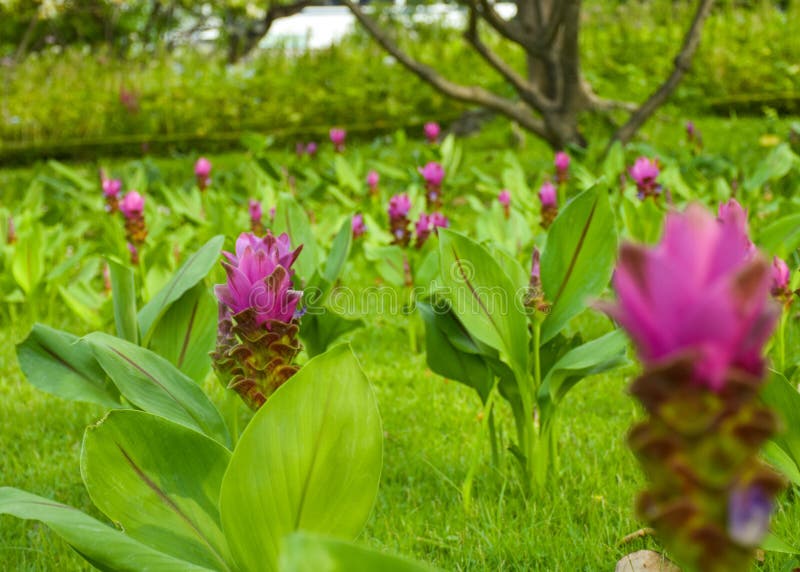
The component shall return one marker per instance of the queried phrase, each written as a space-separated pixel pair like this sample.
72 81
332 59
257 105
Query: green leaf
27 266
196 267
311 553
781 237
784 399
124 294
578 259
187 332
459 358
776 165
153 384
603 354
340 250
102 545
310 459
322 328
345 175
483 297
293 220
389 262
56 363
160 481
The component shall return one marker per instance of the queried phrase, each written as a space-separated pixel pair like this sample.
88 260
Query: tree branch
526 91
470 94
509 29
682 63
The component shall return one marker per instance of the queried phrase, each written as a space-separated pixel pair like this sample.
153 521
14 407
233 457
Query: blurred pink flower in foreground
702 291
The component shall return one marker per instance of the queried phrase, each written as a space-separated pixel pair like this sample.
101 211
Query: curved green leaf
56 363
311 553
196 267
124 296
578 259
187 332
483 297
153 384
102 545
310 459
160 481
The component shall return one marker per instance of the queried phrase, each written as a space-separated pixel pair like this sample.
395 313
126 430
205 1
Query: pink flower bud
372 179
337 138
132 205
254 209
780 276
548 195
202 168
644 173
357 225
432 131
561 161
504 198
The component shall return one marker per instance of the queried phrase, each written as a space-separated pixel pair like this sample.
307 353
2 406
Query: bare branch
526 90
509 29
471 94
682 63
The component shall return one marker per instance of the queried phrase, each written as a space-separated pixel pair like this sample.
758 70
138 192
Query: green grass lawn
432 431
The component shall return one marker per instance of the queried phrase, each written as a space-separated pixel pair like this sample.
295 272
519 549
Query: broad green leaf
451 358
340 250
124 294
187 332
153 384
56 363
322 328
27 266
596 356
311 553
345 175
196 267
781 237
310 459
614 164
83 301
293 220
773 543
578 259
106 547
160 482
484 297
776 165
782 462
390 262
784 399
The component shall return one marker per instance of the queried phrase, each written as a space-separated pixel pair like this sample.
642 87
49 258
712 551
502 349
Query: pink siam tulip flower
781 276
548 195
644 173
256 214
254 209
111 188
132 205
202 172
272 213
311 149
357 225
259 278
561 163
701 292
735 217
300 148
504 198
373 178
535 299
433 173
432 131
438 220
337 138
399 205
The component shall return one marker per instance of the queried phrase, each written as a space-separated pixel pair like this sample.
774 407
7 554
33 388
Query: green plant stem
782 341
412 323
466 487
493 439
